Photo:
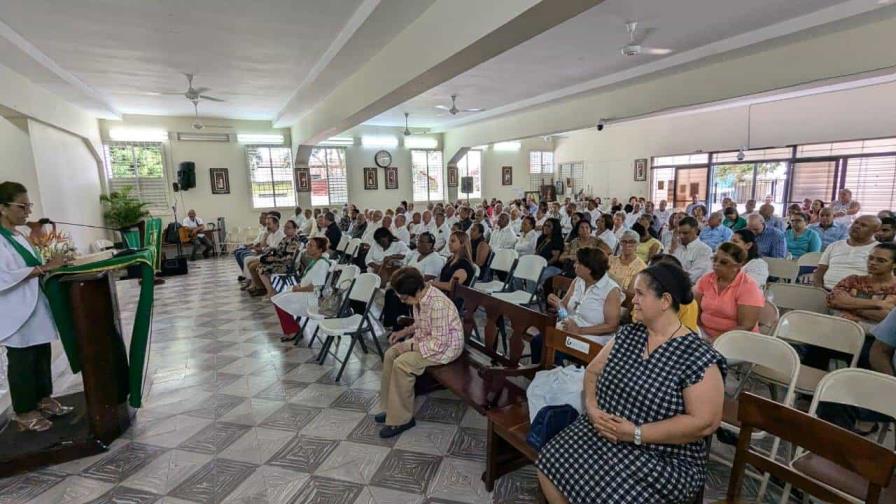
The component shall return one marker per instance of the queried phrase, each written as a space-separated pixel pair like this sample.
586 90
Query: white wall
609 155
18 161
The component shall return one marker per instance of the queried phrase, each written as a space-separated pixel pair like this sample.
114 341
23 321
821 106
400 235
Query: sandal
53 408
38 424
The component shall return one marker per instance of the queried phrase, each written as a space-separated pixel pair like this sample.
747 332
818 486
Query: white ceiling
254 54
587 47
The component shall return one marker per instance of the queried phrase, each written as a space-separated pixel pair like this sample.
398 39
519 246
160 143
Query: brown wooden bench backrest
579 347
519 318
869 460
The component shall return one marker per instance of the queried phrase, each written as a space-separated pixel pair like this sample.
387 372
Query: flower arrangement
53 244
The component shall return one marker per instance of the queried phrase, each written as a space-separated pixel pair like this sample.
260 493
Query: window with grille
813 180
427 167
141 166
872 181
572 175
270 176
328 176
541 169
471 166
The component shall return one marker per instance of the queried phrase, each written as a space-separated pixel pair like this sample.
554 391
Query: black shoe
241 278
394 430
380 418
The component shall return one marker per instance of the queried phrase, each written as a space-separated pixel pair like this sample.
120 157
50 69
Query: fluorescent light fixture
480 147
508 146
138 134
416 142
379 141
338 141
259 138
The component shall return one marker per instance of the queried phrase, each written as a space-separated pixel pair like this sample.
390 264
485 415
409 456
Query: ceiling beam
442 43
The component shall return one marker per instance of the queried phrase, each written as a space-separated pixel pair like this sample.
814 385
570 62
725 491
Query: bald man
848 257
197 237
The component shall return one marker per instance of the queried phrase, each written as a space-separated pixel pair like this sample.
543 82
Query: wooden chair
870 461
506 448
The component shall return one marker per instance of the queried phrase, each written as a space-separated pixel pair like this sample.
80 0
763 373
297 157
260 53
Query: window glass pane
336 176
753 155
733 181
771 179
436 190
684 159
419 165
328 176
140 166
813 180
663 185
872 181
271 176
851 147
690 182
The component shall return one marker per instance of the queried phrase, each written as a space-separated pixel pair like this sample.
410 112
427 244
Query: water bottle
562 314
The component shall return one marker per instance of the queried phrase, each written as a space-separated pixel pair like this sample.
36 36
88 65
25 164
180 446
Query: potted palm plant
125 212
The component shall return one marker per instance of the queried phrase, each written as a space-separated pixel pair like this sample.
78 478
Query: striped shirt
439 334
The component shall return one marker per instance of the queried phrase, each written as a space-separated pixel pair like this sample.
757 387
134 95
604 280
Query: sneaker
394 430
380 418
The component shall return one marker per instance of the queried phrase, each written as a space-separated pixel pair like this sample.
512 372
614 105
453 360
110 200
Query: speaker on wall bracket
186 175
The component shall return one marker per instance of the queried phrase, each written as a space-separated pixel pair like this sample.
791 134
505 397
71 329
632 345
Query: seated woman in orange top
728 298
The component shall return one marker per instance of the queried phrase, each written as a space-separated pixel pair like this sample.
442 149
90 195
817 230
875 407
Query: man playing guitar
193 231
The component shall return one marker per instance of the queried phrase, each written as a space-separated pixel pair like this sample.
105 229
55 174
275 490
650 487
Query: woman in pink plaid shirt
435 338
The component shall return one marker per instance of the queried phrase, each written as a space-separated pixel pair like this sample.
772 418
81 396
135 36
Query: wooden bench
508 426
480 375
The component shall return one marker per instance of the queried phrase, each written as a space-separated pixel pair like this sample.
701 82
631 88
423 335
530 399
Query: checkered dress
589 469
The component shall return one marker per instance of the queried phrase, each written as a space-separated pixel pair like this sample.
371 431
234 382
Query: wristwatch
637 436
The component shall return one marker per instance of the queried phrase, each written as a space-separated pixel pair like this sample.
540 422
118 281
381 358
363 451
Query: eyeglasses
628 242
29 206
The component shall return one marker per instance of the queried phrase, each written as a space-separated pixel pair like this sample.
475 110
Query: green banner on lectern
59 303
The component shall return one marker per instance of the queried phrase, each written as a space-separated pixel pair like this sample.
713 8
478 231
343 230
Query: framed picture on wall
506 175
452 176
370 179
220 180
303 179
640 170
392 177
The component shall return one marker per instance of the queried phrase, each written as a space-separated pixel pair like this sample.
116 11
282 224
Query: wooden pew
508 426
480 375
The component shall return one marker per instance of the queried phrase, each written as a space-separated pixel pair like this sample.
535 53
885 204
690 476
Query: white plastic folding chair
339 279
855 387
528 270
504 262
351 250
825 331
784 269
799 297
354 325
754 349
809 259
343 244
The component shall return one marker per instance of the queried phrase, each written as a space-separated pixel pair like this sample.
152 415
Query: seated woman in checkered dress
651 397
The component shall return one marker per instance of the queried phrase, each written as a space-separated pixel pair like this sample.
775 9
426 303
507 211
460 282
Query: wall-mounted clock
383 159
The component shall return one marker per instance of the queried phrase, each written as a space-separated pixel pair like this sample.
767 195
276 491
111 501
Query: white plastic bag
554 387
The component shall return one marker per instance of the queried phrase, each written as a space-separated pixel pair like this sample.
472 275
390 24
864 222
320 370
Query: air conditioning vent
203 137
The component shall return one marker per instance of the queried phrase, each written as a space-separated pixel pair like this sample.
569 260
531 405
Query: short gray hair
630 233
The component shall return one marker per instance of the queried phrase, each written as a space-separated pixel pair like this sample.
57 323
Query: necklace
647 343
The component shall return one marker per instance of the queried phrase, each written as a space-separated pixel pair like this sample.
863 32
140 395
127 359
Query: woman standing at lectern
26 324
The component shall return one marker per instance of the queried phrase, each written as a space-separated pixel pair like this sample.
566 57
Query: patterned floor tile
333 424
125 495
216 406
427 437
441 410
468 444
303 454
167 471
356 400
281 390
368 432
459 480
122 463
370 380
257 445
352 462
271 485
214 438
518 487
406 471
306 373
323 490
78 465
169 432
73 490
22 488
291 417
376 495
214 481
252 411
318 395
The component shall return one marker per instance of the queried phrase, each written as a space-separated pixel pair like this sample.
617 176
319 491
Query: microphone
50 221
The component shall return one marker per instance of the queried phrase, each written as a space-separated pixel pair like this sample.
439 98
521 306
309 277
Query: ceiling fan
634 47
407 131
453 110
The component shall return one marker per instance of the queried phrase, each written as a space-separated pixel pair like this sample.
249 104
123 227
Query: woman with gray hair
627 265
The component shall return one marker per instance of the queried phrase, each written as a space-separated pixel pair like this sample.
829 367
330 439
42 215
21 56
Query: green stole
27 255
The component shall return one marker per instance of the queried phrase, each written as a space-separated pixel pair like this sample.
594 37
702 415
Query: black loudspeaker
186 175
174 266
466 185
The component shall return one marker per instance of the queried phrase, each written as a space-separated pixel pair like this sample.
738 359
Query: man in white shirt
663 214
372 226
414 224
248 249
299 219
540 218
427 225
503 237
632 217
528 237
850 256
515 221
400 230
845 208
307 227
441 233
424 258
480 217
603 230
197 235
694 255
450 218
593 211
271 239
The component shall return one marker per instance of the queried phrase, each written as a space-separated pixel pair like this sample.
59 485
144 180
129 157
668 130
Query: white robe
27 320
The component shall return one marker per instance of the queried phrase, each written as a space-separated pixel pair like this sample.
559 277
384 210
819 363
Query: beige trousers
400 371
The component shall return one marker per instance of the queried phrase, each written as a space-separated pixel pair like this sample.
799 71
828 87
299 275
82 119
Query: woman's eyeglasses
29 206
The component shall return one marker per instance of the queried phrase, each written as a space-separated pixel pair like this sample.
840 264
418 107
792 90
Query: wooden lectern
101 412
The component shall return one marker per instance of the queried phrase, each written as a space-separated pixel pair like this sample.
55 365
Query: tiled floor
234 415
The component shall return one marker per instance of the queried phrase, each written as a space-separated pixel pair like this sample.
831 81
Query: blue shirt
771 243
885 332
830 235
809 241
715 236
775 222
